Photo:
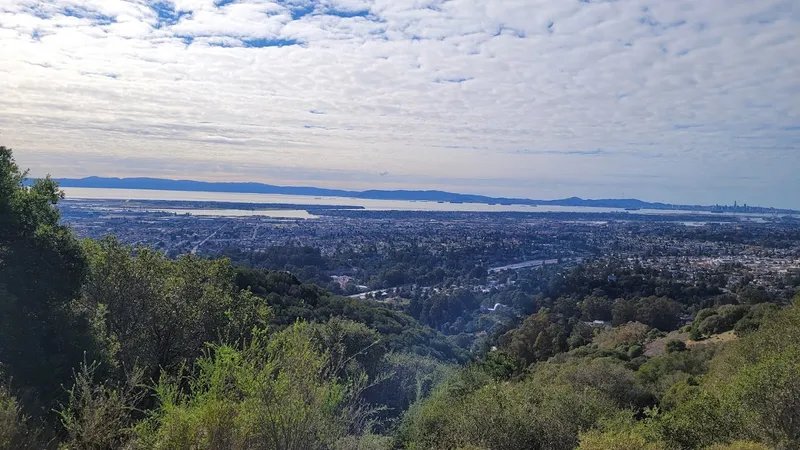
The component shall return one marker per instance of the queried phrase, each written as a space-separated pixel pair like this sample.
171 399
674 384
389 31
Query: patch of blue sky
298 12
187 39
269 42
167 14
84 13
36 11
298 8
347 14
503 29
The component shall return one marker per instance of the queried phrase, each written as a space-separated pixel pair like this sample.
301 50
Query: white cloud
679 101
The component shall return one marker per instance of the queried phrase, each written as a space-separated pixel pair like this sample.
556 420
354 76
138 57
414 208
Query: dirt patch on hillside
657 347
722 337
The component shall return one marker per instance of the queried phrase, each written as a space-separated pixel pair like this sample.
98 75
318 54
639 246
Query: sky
677 101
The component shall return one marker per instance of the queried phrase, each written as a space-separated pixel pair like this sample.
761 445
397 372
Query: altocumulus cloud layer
683 101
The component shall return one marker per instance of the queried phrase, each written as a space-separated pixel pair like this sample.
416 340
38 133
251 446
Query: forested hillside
107 346
740 395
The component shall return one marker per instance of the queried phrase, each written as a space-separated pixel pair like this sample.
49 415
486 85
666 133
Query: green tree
162 312
597 308
500 365
658 312
42 267
539 337
675 345
623 311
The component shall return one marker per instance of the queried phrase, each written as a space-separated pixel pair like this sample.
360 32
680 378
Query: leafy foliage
105 346
161 312
15 432
277 393
499 415
42 268
291 300
97 415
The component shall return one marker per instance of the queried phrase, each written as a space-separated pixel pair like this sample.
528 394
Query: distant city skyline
681 102
146 188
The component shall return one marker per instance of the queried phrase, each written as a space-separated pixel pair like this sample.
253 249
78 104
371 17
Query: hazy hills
427 195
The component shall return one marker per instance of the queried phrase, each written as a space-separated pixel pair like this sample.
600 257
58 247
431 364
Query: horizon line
644 204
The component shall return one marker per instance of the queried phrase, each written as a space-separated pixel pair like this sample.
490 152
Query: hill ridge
149 183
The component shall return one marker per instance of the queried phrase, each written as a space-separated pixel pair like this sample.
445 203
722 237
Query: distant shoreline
405 195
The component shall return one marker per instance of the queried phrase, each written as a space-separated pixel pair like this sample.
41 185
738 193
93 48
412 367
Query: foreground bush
473 411
14 430
279 393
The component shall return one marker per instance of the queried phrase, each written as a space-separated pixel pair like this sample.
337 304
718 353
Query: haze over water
368 204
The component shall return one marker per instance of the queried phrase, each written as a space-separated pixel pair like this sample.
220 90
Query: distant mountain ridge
427 195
